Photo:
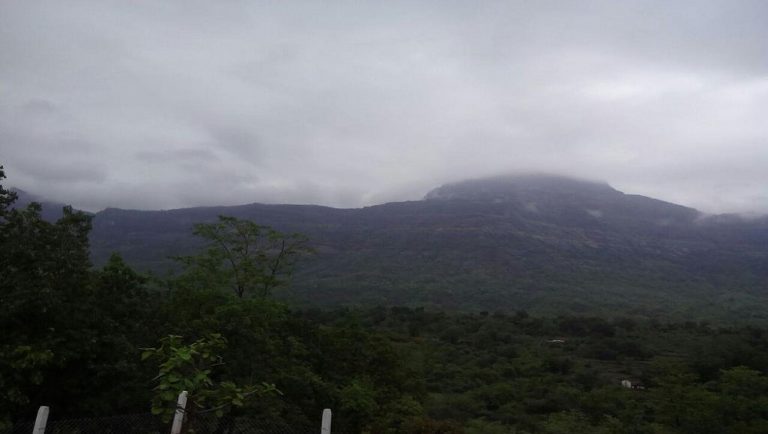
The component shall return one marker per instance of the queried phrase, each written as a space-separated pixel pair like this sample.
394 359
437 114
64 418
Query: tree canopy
249 259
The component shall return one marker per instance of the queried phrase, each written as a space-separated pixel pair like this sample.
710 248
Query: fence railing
146 423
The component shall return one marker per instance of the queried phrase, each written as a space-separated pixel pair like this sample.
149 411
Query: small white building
630 385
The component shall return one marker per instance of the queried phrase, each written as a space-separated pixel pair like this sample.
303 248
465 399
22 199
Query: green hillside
542 243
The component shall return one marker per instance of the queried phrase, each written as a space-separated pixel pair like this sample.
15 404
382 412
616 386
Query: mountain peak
520 186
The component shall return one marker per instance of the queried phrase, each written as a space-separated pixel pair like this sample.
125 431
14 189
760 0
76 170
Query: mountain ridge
546 245
509 180
584 251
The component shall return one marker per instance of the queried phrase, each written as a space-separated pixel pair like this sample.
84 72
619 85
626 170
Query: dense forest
90 341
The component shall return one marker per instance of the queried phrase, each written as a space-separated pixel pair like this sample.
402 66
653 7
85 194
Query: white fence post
41 420
325 428
178 418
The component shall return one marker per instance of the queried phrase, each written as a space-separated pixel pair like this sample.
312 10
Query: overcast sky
164 104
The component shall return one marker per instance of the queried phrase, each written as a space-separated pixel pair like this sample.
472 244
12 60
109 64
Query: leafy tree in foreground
68 334
191 368
43 271
7 197
249 259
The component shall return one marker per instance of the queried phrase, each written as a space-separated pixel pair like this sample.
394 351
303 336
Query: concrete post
41 420
178 418
325 428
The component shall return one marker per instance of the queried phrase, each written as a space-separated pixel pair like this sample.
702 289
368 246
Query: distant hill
51 211
537 242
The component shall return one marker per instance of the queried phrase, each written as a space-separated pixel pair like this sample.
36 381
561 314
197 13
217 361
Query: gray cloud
181 103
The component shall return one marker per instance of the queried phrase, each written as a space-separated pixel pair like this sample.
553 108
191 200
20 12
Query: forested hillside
108 340
544 243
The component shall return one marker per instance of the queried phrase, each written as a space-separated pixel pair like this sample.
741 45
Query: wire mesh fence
18 428
145 423
210 424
